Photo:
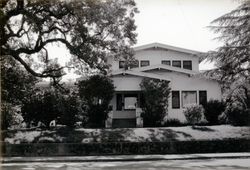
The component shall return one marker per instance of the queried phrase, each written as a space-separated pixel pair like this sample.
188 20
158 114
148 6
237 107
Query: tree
97 91
233 58
155 106
91 30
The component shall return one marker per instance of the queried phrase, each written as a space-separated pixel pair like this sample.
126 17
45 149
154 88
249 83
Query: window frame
144 61
162 62
182 100
179 101
185 61
176 61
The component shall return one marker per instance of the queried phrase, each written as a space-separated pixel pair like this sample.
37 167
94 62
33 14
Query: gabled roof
165 67
140 74
167 47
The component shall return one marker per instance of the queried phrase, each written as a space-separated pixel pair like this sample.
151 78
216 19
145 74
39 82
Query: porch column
109 120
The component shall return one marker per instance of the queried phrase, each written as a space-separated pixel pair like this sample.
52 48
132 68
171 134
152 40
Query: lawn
187 133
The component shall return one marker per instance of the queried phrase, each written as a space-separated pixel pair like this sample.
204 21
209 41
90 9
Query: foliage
155 105
97 91
237 115
11 116
194 114
41 107
232 59
91 30
16 84
213 109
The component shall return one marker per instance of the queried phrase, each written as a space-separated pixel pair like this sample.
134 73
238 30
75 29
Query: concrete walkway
116 158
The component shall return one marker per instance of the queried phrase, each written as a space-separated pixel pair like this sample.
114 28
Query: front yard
163 134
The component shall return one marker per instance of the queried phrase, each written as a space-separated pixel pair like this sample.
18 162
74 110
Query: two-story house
158 61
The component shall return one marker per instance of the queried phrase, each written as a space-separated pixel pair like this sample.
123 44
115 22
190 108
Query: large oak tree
91 30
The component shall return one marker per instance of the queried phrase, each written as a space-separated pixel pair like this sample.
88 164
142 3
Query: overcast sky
181 23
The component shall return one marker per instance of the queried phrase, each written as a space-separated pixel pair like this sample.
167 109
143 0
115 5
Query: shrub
238 116
41 107
97 92
194 114
155 106
213 109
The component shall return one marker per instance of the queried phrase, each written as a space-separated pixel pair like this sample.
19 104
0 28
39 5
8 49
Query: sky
181 23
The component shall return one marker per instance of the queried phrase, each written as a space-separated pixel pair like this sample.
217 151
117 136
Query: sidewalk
117 158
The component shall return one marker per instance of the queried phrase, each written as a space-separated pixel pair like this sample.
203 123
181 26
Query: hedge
126 148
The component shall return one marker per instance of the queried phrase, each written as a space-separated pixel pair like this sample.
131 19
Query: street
221 163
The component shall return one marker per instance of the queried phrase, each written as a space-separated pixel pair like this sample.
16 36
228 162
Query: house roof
164 46
165 67
140 74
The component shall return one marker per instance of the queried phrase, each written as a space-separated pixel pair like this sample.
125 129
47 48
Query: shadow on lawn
202 128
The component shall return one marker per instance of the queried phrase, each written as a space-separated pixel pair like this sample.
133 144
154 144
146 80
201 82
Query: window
130 101
121 64
187 64
203 97
135 64
175 99
165 62
176 63
144 63
189 97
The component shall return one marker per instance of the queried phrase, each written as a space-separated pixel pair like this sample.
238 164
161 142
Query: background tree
91 30
232 60
155 106
97 91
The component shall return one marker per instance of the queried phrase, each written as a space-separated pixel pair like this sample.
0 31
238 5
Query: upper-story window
187 64
176 63
166 62
135 64
121 64
145 63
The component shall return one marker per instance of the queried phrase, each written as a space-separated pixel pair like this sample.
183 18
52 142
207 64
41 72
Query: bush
213 109
97 92
155 105
194 114
238 116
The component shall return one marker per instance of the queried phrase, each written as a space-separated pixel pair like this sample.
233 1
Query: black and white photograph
125 84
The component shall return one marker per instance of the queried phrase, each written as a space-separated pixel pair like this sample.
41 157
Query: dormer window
121 64
166 62
145 63
187 64
176 63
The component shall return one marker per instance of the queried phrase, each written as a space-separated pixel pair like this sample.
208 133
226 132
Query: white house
158 61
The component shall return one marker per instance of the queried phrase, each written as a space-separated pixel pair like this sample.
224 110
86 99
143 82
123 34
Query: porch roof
165 67
140 74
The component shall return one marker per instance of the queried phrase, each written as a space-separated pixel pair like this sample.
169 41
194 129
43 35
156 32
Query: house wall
179 81
156 55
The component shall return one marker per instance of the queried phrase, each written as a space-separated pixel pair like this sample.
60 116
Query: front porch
125 110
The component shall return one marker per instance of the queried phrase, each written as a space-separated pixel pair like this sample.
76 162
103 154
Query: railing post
139 119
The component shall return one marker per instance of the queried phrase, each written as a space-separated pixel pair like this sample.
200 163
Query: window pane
176 63
175 99
130 102
121 64
187 65
165 62
189 97
203 97
144 63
